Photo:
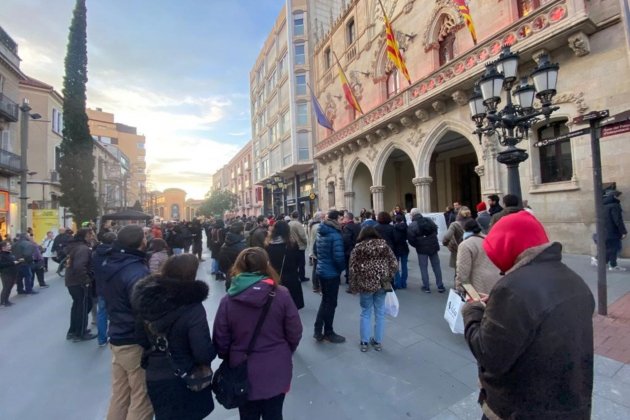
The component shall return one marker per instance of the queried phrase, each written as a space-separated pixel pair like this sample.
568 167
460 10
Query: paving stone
468 408
605 409
623 375
612 389
605 366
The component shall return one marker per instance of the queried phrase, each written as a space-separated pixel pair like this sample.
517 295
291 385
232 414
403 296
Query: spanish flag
393 51
347 89
465 12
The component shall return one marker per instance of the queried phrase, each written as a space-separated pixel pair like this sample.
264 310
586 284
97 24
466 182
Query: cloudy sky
177 70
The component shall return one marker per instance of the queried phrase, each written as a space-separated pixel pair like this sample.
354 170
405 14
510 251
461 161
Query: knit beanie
512 235
481 206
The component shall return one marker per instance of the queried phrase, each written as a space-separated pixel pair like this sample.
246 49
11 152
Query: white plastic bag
391 304
453 312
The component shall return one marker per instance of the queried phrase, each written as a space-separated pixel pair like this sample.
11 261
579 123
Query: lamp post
513 122
25 116
276 184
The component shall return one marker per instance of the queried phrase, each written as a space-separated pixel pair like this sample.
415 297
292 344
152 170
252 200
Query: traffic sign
616 128
567 136
594 115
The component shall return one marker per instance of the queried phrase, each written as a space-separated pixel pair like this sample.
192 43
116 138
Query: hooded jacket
615 228
122 269
78 264
331 260
350 232
534 339
422 235
400 239
372 266
233 245
174 307
8 267
270 365
386 231
99 255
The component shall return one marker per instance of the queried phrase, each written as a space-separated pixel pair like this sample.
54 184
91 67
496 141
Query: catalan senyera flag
462 6
347 89
393 51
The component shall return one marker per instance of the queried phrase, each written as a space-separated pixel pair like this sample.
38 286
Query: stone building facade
413 147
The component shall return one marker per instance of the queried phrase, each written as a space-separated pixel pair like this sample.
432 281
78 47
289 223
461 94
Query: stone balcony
9 110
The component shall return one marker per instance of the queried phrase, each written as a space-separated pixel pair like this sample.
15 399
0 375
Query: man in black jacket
493 204
23 251
233 245
615 229
422 235
258 235
349 232
533 340
122 269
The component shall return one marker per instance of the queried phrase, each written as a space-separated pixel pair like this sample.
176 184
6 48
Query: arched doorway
360 196
452 168
398 173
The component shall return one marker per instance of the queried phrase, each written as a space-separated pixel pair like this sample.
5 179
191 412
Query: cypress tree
77 160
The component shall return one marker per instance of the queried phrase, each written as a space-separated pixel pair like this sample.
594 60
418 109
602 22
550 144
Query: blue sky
177 70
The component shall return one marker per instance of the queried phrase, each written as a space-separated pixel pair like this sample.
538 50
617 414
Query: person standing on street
511 203
123 268
47 245
349 232
422 235
78 280
401 251
615 229
331 262
284 257
483 217
258 235
99 256
473 265
493 204
298 234
23 250
312 236
533 338
8 272
269 365
233 244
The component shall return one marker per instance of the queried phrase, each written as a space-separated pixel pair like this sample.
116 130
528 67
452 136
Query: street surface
423 372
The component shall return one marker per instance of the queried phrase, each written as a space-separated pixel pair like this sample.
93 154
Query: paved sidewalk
612 333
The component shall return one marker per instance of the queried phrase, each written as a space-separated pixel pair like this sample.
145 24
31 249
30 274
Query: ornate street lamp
276 185
513 122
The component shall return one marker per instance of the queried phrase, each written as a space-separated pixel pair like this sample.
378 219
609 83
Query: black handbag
230 384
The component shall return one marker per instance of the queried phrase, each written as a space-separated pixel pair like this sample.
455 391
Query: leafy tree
218 202
76 169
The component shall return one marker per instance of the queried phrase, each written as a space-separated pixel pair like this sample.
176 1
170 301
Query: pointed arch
379 168
433 138
351 171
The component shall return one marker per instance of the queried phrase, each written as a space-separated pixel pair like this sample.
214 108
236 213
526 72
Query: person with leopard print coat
372 268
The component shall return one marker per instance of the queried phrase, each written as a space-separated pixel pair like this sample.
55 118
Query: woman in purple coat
270 364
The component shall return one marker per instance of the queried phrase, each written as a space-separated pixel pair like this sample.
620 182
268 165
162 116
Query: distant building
170 205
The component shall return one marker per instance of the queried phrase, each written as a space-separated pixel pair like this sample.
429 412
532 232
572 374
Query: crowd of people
533 314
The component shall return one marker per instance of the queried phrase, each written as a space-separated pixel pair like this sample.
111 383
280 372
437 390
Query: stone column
377 197
423 193
349 196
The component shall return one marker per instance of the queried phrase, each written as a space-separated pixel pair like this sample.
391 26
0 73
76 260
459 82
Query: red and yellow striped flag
393 51
465 12
347 89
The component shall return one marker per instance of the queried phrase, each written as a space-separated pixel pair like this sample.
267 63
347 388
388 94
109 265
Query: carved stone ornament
537 54
393 127
480 170
452 22
490 147
361 142
371 154
408 7
330 108
579 43
439 107
422 115
460 97
372 138
424 180
376 189
352 147
569 97
382 133
330 170
408 122
415 138
357 87
390 8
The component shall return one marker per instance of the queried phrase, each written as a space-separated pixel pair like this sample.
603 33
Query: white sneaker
617 268
594 261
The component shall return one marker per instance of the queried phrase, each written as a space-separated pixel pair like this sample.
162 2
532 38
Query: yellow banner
44 221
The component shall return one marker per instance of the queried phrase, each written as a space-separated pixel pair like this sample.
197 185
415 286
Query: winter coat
233 245
122 269
422 235
24 248
495 209
217 238
157 260
270 365
452 238
280 253
386 231
331 260
372 266
8 267
99 255
298 234
615 228
506 211
534 340
78 264
350 232
400 239
47 245
174 308
474 267
369 222
59 244
483 219
257 237
312 238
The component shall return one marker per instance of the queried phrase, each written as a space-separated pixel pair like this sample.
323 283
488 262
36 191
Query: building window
556 163
286 153
393 83
298 24
300 57
303 146
447 48
350 32
282 67
327 58
300 84
57 121
525 7
302 113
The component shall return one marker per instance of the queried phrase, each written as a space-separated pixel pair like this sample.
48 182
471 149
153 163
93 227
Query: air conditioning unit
54 176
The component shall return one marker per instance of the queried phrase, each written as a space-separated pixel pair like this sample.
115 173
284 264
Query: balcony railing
10 162
8 109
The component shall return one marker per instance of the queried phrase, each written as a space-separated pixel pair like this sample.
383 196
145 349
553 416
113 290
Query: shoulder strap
263 315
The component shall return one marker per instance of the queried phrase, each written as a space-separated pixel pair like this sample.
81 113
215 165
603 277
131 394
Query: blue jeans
177 251
101 320
25 277
400 280
376 301
423 260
